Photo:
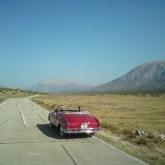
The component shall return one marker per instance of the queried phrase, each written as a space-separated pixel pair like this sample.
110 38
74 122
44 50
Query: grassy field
120 116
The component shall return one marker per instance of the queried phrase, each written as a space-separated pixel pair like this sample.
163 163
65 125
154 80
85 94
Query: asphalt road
26 139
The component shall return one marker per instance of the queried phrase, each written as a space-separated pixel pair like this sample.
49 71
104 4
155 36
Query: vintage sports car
70 120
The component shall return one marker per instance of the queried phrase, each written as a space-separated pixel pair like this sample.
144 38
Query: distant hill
58 86
146 77
149 76
6 93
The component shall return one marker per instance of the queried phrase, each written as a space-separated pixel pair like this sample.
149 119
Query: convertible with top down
69 119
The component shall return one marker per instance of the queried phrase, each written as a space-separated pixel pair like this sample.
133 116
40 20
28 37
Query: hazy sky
87 41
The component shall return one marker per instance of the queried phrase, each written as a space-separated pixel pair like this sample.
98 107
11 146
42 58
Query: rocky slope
146 77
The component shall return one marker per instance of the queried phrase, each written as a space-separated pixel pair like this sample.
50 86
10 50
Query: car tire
90 135
61 132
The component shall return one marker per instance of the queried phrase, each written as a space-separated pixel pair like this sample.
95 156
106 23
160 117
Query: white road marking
19 105
24 121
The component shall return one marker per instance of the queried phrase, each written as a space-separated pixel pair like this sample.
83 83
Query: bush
52 107
142 141
127 132
111 127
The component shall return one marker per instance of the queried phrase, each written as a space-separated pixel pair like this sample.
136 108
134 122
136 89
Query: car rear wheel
61 131
90 134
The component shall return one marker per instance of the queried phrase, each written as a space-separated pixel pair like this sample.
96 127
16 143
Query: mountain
149 76
58 86
146 77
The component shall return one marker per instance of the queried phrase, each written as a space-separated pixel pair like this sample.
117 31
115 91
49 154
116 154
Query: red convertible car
70 120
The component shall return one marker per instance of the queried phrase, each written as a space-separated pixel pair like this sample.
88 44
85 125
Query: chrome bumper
75 131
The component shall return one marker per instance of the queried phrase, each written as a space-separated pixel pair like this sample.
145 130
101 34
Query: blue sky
87 41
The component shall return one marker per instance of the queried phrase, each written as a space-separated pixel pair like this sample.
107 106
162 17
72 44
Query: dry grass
122 115
6 93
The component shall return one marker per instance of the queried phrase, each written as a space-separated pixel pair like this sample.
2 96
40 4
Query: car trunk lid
77 119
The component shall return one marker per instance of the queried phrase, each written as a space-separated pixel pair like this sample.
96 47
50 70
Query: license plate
84 126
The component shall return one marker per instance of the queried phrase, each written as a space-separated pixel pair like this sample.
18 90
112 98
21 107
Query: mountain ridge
58 86
148 76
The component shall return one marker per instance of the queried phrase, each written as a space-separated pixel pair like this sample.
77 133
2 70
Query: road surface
26 139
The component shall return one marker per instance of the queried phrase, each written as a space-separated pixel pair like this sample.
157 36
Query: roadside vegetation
134 123
6 93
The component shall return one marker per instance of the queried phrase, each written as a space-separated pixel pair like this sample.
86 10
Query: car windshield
68 109
74 108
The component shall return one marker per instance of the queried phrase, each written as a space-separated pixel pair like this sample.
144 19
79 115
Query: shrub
106 125
127 132
142 141
52 106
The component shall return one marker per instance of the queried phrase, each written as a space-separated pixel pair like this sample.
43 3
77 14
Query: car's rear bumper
88 131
